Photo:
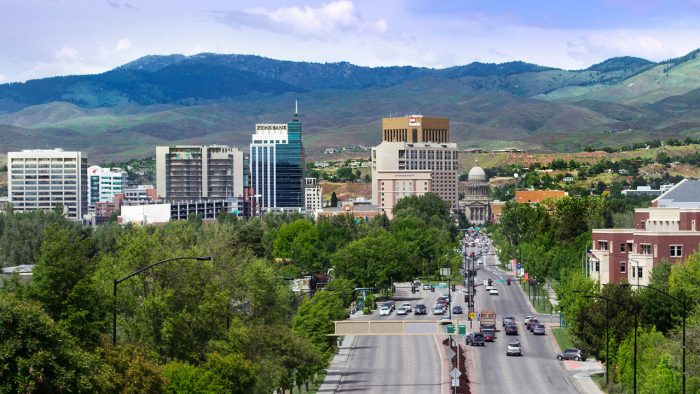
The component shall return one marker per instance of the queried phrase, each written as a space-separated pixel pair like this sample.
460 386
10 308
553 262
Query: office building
277 166
105 183
416 128
191 172
668 231
414 158
313 194
47 179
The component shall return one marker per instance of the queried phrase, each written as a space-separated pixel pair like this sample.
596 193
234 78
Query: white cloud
123 45
322 22
2 78
605 44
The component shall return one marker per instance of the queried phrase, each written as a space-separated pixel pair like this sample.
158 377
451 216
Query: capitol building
476 204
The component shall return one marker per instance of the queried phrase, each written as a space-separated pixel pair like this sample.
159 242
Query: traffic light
393 289
466 298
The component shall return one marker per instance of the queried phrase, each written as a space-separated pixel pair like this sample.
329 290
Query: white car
384 311
489 287
493 291
445 320
427 286
402 310
407 306
514 349
438 310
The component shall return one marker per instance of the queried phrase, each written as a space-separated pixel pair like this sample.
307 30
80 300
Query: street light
636 322
140 270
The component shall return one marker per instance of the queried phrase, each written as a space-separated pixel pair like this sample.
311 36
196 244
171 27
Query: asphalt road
397 364
538 370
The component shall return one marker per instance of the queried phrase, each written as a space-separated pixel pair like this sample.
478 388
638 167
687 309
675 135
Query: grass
541 303
563 337
313 387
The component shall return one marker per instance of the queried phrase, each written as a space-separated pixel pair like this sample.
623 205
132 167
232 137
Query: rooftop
686 194
537 196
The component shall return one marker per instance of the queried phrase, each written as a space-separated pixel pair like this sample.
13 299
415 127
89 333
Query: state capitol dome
476 174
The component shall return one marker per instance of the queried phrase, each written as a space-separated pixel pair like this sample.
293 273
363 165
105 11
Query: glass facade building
277 166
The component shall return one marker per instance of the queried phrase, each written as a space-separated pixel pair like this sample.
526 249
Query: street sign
442 285
462 329
455 373
455 382
450 328
471 315
518 265
450 353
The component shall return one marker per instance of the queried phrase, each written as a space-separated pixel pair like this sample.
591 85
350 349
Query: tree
299 242
373 260
36 355
426 206
130 370
334 200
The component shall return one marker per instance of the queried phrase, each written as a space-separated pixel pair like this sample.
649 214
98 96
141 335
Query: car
420 309
438 310
384 311
475 339
572 354
489 335
493 291
402 311
514 349
427 286
538 329
445 320
527 319
532 323
408 306
511 329
416 282
489 287
457 310
507 320
391 304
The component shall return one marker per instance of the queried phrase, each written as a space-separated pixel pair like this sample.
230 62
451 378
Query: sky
42 38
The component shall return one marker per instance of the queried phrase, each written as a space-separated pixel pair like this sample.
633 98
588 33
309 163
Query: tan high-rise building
416 128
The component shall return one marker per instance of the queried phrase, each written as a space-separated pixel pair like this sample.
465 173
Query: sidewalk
334 372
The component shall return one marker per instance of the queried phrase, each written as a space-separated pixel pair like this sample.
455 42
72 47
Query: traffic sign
462 329
455 382
471 315
450 328
450 353
518 265
455 373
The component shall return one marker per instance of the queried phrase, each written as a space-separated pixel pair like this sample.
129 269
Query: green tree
299 242
425 207
131 371
334 200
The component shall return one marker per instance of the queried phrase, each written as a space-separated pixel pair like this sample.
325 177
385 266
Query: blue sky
40 38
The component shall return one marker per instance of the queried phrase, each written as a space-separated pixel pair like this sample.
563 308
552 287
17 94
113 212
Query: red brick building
668 230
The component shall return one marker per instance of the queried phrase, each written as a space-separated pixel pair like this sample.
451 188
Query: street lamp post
140 270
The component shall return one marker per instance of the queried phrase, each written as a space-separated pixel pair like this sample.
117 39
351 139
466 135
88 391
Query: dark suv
421 309
572 354
475 339
511 329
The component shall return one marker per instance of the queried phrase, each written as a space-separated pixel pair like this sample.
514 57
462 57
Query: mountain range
215 98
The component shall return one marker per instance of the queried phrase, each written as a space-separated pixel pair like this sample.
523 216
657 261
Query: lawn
563 337
541 303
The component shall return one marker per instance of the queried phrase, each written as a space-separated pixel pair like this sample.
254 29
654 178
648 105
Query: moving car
532 323
402 311
511 329
528 318
572 354
421 309
538 329
493 291
507 320
475 339
457 310
426 286
514 349
384 311
445 320
438 310
407 305
489 335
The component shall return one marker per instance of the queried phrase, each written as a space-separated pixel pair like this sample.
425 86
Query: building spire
296 108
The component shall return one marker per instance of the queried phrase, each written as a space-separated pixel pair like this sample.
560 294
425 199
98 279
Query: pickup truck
488 320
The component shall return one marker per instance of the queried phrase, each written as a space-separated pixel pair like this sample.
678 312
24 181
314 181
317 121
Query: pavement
334 373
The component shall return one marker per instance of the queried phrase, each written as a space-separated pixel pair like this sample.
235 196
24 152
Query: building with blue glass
277 167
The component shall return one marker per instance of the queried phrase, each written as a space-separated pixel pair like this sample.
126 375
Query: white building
47 179
145 214
313 195
105 183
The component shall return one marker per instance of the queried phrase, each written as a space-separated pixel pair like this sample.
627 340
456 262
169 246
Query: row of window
674 251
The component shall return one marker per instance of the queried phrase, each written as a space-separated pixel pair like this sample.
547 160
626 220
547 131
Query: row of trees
229 325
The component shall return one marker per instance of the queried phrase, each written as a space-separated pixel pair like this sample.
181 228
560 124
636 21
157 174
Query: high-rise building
191 173
277 166
313 194
414 158
47 179
105 183
416 128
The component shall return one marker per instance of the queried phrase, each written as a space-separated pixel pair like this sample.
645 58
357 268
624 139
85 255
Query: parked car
384 311
438 310
572 354
475 339
457 310
511 329
514 349
538 329
402 311
407 305
489 335
507 320
445 320
421 309
493 291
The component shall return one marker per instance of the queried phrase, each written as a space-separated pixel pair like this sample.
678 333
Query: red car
511 329
489 335
532 323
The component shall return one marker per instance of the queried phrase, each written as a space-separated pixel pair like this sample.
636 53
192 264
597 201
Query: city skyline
416 32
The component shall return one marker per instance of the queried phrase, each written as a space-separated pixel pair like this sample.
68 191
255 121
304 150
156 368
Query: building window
622 248
597 266
623 267
646 248
639 272
602 245
676 250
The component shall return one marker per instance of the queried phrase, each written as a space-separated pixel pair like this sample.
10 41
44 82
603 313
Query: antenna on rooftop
296 107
